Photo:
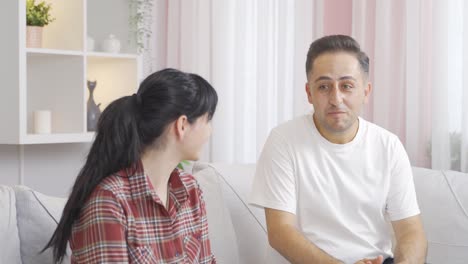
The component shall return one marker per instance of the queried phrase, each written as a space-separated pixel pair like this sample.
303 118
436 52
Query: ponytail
116 146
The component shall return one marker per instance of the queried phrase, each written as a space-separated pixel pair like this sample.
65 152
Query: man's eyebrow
326 78
347 78
323 78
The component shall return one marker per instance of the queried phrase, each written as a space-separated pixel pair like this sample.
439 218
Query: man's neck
340 137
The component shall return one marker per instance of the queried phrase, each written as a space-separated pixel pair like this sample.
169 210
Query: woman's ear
181 126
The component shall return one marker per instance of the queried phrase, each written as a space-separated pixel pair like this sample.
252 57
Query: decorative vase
93 112
111 44
33 37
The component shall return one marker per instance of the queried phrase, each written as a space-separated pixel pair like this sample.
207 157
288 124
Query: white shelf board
58 138
39 51
112 55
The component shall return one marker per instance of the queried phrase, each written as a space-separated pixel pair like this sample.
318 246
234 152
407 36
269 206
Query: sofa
238 230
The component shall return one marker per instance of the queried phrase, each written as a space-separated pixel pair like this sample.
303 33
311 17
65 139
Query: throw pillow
37 215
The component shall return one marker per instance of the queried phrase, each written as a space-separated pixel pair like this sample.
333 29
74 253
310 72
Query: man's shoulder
291 126
375 130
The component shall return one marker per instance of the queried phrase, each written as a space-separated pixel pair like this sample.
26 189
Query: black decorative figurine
93 110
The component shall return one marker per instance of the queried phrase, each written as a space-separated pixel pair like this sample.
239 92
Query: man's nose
336 96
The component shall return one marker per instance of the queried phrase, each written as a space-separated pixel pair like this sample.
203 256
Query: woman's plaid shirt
124 221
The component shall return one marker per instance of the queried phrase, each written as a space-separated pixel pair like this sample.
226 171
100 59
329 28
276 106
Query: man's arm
411 241
289 242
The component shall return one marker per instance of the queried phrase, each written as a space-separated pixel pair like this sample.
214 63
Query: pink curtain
416 49
419 65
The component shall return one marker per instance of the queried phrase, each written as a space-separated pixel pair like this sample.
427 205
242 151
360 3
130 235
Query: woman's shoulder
192 187
188 180
112 187
106 197
114 183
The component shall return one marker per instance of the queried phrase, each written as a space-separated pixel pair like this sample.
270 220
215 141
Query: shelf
115 76
41 52
67 30
54 77
58 138
55 83
112 55
101 23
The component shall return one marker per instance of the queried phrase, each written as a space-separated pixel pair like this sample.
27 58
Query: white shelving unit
55 76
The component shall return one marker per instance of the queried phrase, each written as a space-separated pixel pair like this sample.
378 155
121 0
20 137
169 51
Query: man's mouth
336 112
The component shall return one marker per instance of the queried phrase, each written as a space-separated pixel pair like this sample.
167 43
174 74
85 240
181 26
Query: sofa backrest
37 216
27 221
248 221
443 200
220 227
237 230
442 197
10 248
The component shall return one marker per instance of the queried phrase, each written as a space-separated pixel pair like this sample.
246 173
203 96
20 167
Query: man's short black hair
336 43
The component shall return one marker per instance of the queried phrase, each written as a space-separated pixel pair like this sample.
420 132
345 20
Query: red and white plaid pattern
124 221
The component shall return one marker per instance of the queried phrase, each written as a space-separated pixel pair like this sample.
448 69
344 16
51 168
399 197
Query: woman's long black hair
128 126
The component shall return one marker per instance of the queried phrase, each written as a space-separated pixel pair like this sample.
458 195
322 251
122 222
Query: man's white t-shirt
343 195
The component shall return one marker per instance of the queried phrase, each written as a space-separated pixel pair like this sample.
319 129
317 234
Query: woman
129 204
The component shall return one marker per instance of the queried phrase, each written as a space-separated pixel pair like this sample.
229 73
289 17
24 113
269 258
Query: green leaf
182 163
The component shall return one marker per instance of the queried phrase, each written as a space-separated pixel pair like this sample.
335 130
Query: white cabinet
55 76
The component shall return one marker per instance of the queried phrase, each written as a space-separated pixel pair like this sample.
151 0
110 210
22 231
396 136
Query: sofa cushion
9 252
221 232
37 215
249 221
443 200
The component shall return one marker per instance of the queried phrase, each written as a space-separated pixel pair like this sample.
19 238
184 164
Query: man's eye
323 87
347 86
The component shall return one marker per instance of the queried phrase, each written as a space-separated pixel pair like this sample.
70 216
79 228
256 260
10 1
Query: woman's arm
98 236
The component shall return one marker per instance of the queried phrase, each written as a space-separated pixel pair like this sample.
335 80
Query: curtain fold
253 52
419 65
464 97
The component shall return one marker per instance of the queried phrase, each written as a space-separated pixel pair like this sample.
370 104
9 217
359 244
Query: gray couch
237 230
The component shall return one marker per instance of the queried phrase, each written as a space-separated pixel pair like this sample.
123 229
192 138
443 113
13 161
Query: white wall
50 169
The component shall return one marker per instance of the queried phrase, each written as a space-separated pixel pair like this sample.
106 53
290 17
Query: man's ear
367 92
307 89
181 127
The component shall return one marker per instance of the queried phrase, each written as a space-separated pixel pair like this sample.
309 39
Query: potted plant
141 22
37 16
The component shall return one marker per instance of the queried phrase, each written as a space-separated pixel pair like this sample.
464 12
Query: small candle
42 122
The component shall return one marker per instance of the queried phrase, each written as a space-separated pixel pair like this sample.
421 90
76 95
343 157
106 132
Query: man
332 184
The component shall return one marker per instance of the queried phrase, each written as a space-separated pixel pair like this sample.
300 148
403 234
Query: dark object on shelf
93 112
